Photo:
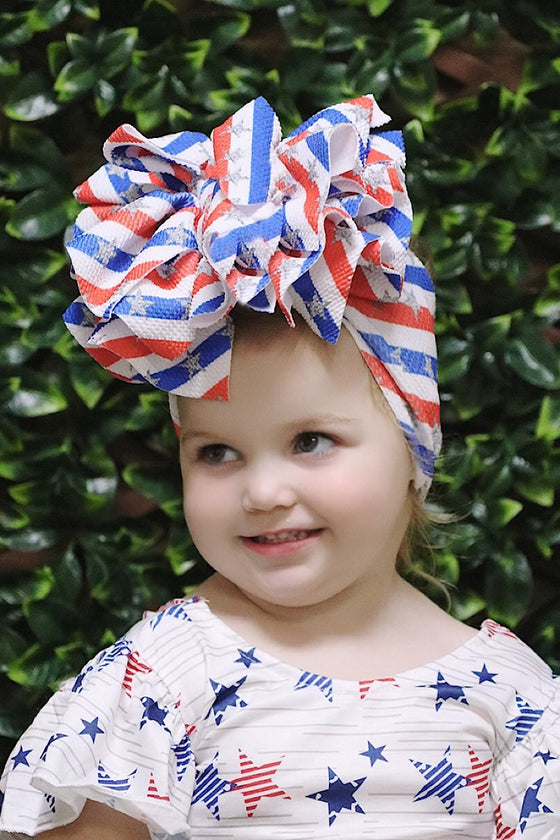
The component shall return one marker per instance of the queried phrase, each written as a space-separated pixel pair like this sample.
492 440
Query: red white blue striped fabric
179 229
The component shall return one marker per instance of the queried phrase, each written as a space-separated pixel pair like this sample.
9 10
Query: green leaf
46 14
154 481
548 426
42 213
454 359
31 98
75 78
33 669
89 380
14 29
227 33
35 397
57 56
415 87
418 42
504 511
68 576
30 539
115 49
377 7
534 359
105 97
508 586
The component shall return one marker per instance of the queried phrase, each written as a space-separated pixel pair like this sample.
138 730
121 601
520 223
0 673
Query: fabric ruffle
112 735
526 786
179 229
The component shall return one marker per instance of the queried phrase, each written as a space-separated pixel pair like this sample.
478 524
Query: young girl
305 690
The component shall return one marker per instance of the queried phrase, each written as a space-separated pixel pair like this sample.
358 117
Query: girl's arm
97 822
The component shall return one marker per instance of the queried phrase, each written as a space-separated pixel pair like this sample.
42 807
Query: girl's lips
279 543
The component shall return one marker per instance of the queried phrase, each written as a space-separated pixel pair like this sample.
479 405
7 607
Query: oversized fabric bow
179 229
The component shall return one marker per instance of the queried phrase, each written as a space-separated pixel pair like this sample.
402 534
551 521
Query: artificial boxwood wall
91 528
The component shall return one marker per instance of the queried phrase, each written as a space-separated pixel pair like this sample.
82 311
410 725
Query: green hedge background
91 529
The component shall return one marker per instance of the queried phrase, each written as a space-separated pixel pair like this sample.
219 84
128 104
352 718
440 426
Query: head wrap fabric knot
181 228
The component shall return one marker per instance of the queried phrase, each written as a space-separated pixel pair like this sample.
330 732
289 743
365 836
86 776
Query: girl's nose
267 486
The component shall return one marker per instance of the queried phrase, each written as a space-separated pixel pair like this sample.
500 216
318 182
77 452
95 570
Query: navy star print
546 756
92 728
442 781
226 696
52 739
21 758
374 753
339 796
209 787
247 657
532 804
446 691
484 675
525 720
153 712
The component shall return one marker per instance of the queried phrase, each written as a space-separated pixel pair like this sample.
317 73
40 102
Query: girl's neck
376 636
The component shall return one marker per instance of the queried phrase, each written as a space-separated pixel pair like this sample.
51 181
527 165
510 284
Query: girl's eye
313 443
217 453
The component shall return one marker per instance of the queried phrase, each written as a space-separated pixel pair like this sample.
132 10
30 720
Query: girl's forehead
293 371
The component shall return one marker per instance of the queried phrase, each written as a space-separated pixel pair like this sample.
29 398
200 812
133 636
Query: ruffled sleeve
114 735
526 785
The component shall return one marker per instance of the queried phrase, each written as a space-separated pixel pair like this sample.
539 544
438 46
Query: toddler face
296 489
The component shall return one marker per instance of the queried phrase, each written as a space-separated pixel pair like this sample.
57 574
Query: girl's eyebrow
193 434
314 422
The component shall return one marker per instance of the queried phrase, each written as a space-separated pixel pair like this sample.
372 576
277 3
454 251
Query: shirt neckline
480 640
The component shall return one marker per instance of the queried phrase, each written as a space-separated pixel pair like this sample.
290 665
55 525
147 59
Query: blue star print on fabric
447 691
441 781
21 758
52 739
79 681
107 781
374 753
484 675
175 610
324 684
154 712
247 657
526 719
546 756
209 787
92 728
120 648
339 796
532 805
183 754
226 697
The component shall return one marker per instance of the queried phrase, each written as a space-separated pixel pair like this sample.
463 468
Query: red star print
479 777
365 685
492 627
255 783
134 666
153 792
503 832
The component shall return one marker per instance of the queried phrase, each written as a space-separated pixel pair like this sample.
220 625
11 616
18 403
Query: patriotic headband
179 229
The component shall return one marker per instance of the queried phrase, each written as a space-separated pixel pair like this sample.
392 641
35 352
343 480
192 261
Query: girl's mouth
281 537
282 543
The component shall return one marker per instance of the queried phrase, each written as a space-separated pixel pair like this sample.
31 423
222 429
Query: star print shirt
184 726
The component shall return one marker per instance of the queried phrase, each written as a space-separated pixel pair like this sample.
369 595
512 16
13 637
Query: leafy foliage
91 527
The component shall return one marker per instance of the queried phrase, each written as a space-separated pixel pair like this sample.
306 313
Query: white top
183 725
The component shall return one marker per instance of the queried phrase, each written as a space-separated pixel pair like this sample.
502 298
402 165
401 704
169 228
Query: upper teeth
283 536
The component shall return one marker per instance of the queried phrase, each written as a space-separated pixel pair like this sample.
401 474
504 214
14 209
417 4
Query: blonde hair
416 559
